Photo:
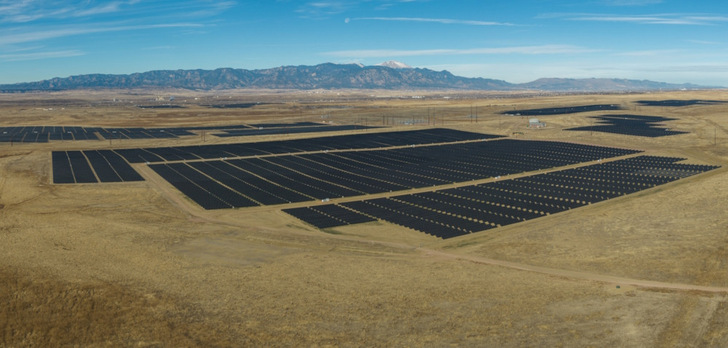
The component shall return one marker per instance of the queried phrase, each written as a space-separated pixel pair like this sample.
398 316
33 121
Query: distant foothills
389 75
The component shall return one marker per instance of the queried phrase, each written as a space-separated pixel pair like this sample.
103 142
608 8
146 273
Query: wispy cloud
211 9
648 53
111 7
527 50
708 73
431 20
13 5
25 37
704 68
45 22
327 8
39 55
631 2
704 42
318 9
25 11
667 18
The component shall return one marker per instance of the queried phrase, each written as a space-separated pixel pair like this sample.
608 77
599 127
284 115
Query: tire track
602 278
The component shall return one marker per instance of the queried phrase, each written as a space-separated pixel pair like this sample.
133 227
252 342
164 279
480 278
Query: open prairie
140 264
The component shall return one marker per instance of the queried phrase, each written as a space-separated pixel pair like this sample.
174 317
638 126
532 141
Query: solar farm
636 125
469 209
44 134
563 110
311 170
345 216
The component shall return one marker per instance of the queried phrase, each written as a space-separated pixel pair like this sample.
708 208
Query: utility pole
591 128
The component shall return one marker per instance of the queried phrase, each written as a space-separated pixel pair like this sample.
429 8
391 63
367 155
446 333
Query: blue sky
516 40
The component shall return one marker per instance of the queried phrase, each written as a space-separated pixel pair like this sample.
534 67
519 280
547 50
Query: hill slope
326 76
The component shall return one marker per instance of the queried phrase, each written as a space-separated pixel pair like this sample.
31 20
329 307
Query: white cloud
387 53
326 8
648 53
710 74
516 73
704 42
692 68
39 55
631 2
40 21
103 9
667 19
24 37
433 20
31 10
318 9
25 11
527 50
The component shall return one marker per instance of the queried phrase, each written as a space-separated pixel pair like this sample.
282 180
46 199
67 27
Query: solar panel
62 172
82 171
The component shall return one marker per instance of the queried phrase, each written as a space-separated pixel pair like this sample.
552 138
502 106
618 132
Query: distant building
535 123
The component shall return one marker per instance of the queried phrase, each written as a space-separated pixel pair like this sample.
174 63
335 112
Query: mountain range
388 75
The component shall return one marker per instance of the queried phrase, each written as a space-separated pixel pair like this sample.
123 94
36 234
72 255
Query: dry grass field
138 264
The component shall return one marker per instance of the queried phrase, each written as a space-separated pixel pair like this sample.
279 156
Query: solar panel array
91 166
142 133
331 215
44 134
321 176
636 125
303 170
678 103
459 211
234 106
288 130
563 110
64 172
342 142
284 125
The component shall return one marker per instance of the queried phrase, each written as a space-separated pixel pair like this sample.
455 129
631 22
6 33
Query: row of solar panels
636 125
341 142
249 149
91 166
459 211
319 176
43 134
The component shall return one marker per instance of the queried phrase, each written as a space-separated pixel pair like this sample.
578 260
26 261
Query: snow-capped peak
395 65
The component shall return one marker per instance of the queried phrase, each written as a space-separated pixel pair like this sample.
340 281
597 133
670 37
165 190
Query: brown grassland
138 264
